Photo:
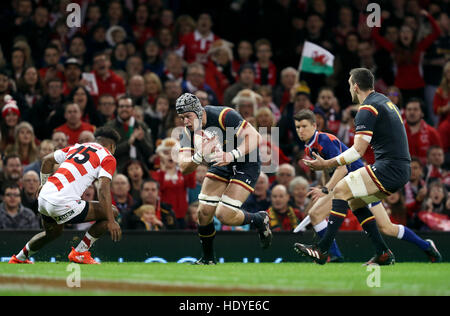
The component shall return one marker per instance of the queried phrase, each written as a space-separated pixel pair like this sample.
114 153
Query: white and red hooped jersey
80 166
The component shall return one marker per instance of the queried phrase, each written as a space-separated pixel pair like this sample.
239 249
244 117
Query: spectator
24 144
153 88
30 86
408 55
7 94
173 184
282 93
136 173
107 80
298 189
420 135
396 209
48 113
150 195
135 140
195 45
246 103
53 69
282 216
327 102
37 32
436 199
264 120
195 80
244 55
173 68
31 183
74 125
434 168
192 216
59 140
72 75
86 137
134 66
159 118
285 174
246 80
415 191
267 101
259 200
10 119
107 108
200 174
147 219
152 58
119 58
184 25
136 91
219 71
344 26
395 95
202 96
173 90
441 106
166 41
12 169
13 215
121 198
141 29
77 50
265 69
45 147
80 95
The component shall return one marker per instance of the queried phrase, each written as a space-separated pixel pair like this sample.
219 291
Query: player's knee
205 212
53 232
387 229
341 192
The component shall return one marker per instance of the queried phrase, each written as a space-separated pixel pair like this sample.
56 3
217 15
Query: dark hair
10 156
10 185
416 100
363 78
149 180
433 147
416 159
107 132
145 172
305 115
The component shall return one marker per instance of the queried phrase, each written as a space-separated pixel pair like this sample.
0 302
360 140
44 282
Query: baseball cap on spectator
72 61
10 107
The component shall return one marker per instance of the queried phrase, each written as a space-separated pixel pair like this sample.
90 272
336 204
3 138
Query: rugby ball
201 138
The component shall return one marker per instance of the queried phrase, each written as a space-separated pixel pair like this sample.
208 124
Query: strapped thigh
230 203
208 200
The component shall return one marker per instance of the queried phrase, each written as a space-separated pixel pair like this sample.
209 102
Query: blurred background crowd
130 60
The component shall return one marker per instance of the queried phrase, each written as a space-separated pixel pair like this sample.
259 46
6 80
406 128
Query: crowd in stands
130 60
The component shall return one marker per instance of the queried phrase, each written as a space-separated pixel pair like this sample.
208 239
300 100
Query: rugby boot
313 252
385 259
14 260
205 261
81 257
433 253
264 232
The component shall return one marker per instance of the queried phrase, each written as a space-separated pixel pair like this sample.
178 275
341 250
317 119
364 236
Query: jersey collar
313 139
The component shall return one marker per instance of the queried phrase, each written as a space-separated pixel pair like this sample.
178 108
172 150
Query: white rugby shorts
61 213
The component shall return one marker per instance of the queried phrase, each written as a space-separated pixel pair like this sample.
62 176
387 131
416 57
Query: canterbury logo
313 253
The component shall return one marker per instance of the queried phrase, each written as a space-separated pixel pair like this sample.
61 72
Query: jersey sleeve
365 120
187 142
331 148
61 154
231 118
108 167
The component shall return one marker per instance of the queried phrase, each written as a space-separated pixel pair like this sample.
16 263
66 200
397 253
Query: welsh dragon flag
316 59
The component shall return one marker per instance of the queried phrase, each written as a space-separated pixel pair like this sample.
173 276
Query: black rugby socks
337 215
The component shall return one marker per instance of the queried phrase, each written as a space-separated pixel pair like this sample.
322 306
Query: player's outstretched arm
188 164
352 154
105 200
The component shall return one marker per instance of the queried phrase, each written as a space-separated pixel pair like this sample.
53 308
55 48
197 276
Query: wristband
236 154
44 177
348 156
197 158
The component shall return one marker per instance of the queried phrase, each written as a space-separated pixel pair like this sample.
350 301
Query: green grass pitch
225 279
